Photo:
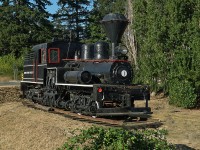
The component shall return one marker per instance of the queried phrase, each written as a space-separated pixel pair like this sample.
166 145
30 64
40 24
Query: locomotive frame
67 75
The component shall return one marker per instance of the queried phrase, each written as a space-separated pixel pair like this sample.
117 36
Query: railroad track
110 122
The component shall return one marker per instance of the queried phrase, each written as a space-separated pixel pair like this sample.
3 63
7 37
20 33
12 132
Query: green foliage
72 17
94 29
168 37
118 139
182 94
8 63
22 25
150 25
100 9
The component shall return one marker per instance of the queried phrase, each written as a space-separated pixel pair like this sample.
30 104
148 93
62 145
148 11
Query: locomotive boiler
91 79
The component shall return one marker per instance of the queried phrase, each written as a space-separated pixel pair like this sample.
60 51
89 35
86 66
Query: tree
22 24
72 16
41 5
129 37
167 34
100 9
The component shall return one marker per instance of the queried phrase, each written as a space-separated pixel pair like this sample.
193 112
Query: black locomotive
85 78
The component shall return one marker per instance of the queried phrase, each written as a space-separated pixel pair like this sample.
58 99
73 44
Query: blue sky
52 8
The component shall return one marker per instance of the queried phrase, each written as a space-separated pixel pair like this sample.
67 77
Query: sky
52 8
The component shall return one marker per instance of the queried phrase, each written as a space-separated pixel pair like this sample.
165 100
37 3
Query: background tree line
163 37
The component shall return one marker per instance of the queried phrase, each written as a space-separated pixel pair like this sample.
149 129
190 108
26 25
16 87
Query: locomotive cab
47 55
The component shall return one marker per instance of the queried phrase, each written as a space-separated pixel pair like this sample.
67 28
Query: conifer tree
22 24
72 16
100 9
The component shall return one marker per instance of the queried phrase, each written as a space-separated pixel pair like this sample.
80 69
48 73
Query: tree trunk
129 34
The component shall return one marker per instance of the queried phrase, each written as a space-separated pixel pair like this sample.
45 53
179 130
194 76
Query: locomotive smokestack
114 25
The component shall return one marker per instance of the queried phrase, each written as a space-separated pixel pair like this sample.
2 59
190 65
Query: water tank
101 50
87 51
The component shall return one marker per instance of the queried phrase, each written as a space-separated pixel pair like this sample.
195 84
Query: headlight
124 51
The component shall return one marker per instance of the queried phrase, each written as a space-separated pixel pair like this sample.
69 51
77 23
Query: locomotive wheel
93 109
75 107
44 100
67 105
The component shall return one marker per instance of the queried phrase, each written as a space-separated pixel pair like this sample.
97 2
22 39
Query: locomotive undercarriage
99 100
75 101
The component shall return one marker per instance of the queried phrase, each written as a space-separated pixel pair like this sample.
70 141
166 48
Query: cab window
54 55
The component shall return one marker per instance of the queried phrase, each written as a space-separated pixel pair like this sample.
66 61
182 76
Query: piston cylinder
77 77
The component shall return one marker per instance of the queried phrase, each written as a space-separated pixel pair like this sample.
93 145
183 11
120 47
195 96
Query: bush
8 62
168 41
182 93
117 139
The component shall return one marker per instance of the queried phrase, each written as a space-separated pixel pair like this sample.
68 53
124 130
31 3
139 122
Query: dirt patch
5 79
183 125
9 94
25 128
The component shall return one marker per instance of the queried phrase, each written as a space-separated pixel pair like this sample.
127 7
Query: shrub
8 62
117 139
182 93
168 41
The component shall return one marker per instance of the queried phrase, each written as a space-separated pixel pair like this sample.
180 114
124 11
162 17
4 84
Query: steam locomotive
85 78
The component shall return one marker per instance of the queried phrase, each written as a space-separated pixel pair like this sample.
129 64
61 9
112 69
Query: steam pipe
113 50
